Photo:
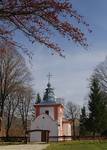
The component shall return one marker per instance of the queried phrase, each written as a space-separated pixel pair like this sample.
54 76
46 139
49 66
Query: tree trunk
7 134
0 123
94 134
8 126
1 115
74 128
25 131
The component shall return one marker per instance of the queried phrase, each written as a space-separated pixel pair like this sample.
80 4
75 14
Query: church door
43 136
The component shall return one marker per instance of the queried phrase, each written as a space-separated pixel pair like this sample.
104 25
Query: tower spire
49 77
49 95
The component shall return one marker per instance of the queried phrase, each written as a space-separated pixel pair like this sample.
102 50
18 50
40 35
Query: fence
14 139
70 138
53 138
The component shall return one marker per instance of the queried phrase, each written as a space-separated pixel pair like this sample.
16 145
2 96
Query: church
49 119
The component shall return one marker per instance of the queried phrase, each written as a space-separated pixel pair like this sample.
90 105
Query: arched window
47 112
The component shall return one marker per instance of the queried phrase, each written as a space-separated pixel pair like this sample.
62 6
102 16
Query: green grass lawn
86 145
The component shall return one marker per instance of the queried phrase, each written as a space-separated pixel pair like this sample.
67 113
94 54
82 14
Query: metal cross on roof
49 77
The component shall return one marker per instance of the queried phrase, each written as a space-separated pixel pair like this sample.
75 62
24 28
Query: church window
47 112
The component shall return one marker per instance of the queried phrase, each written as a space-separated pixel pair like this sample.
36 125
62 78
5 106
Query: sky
71 75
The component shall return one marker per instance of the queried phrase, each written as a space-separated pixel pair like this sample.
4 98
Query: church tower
50 106
49 117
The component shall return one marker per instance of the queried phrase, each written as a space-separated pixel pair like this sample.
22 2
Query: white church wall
35 136
60 117
45 122
67 129
50 109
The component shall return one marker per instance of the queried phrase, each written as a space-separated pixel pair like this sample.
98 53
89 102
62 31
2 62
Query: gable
45 122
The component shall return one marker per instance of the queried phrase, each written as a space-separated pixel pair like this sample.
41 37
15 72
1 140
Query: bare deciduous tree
10 107
13 72
72 112
25 105
40 20
101 74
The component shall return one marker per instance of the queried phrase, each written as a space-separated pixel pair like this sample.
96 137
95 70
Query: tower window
47 112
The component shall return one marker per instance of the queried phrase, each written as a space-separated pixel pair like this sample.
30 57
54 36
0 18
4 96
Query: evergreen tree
83 120
38 98
97 121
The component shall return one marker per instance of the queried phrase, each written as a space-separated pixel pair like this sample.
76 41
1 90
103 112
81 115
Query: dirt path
24 147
